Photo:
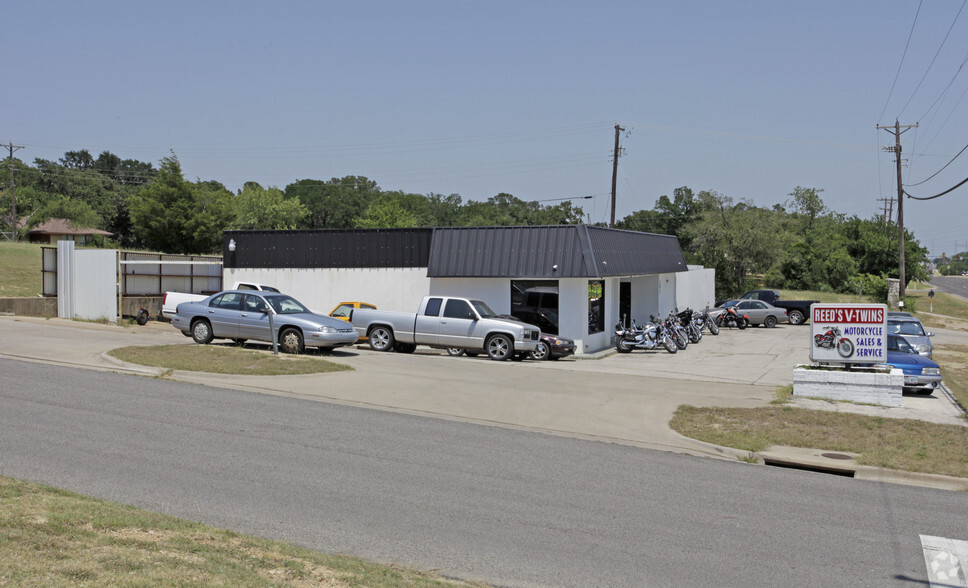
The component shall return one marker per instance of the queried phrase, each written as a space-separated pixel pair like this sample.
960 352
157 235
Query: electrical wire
938 52
899 65
958 185
942 169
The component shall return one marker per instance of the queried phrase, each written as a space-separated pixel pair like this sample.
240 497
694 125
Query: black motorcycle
731 318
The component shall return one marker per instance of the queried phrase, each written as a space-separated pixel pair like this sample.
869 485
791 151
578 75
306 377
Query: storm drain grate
810 468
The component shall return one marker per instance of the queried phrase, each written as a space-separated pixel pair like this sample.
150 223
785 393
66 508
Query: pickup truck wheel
796 317
499 347
202 332
404 347
455 351
770 321
381 339
291 341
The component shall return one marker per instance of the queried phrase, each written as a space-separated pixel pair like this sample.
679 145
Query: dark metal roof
578 251
341 248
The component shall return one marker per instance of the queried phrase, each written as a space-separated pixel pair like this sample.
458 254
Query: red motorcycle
832 338
731 318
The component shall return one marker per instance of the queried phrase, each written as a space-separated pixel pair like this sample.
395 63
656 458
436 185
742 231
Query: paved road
957 285
509 507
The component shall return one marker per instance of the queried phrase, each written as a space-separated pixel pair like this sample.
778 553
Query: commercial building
577 279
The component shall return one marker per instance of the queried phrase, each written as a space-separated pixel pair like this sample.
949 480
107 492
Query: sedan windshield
286 305
906 328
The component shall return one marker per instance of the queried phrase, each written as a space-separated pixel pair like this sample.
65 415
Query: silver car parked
759 312
911 329
243 315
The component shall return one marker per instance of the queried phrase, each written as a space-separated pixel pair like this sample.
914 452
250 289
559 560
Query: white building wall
87 283
645 298
321 289
696 288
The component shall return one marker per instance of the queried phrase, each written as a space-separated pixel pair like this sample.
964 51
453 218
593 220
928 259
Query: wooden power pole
13 189
896 130
618 130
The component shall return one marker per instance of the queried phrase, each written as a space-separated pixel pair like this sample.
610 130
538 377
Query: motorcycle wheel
845 347
623 346
713 327
742 323
681 341
670 345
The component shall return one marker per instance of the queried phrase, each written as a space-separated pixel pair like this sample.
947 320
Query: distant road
957 285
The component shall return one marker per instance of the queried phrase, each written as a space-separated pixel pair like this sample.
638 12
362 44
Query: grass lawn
20 270
226 359
49 537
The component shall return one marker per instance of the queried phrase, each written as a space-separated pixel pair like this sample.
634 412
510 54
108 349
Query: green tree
335 204
175 216
267 209
386 212
58 206
730 238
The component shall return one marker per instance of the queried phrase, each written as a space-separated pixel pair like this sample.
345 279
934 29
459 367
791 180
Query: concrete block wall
866 387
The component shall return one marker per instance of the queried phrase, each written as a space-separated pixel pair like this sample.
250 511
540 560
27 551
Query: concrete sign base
853 386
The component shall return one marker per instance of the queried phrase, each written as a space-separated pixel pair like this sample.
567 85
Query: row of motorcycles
674 332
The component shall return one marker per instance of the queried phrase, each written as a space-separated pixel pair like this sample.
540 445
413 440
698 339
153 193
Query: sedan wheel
202 332
291 341
541 352
770 321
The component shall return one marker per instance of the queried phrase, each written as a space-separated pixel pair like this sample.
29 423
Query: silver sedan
243 315
759 312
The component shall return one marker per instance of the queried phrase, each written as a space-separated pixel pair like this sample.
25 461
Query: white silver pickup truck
172 299
445 322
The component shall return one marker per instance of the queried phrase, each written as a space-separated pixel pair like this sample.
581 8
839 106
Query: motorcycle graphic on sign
832 338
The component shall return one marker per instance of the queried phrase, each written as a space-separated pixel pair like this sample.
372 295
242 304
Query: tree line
797 244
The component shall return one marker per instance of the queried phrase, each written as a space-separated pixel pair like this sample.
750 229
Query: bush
875 286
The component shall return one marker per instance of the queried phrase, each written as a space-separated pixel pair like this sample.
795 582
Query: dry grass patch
21 263
53 538
226 359
897 444
953 360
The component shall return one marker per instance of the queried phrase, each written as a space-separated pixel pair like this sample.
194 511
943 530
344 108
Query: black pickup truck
798 311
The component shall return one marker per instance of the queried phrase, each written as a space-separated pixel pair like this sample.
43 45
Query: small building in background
61 229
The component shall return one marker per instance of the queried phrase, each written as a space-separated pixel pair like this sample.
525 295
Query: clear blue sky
749 99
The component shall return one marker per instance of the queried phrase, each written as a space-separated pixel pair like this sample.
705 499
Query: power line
938 52
903 55
958 185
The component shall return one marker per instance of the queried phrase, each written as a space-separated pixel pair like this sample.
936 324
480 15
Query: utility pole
618 130
13 192
896 149
888 209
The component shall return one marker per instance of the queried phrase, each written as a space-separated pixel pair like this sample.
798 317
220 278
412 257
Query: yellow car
343 310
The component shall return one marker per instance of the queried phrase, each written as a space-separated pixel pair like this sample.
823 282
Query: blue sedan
242 315
920 373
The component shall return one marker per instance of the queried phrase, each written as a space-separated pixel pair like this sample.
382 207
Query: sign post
848 333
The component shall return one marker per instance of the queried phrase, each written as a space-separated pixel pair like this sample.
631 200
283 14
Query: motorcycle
687 318
641 337
832 338
705 321
677 330
730 318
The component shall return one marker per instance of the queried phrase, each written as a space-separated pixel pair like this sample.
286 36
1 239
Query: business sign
848 333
